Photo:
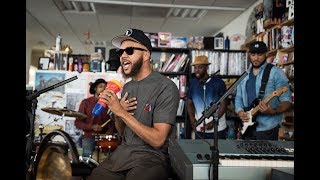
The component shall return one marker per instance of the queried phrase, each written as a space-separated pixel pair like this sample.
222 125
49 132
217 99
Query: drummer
91 125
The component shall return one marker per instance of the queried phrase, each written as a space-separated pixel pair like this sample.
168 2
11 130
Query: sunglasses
128 50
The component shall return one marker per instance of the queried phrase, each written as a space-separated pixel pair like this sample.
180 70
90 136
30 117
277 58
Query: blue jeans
221 135
88 146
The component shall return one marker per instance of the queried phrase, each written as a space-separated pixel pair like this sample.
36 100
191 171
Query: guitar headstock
279 91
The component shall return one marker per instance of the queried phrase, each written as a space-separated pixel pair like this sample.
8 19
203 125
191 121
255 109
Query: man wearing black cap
145 127
269 118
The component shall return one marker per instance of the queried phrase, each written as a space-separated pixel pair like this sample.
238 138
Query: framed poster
164 39
45 79
218 43
103 51
43 63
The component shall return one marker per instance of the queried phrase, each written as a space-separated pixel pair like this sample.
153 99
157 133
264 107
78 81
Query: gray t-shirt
158 101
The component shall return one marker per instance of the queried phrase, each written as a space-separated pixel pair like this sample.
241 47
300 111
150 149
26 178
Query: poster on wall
103 51
52 98
45 79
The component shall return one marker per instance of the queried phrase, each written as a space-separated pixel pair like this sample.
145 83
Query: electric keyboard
238 159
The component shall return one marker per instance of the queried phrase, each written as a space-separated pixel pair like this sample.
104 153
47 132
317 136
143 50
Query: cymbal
65 112
54 165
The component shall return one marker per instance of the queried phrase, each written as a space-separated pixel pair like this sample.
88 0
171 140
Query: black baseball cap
134 35
258 47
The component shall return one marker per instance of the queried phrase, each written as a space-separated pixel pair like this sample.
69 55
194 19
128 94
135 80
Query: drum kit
52 161
104 142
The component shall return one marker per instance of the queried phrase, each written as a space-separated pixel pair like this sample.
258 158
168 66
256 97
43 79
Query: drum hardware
87 164
64 112
41 128
41 132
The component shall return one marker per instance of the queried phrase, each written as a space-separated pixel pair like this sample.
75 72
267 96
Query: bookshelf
278 34
160 57
235 63
231 63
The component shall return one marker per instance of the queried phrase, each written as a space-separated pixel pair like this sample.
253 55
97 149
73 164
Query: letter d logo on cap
128 32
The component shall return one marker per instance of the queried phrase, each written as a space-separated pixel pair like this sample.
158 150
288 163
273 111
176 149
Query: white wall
29 45
238 25
32 45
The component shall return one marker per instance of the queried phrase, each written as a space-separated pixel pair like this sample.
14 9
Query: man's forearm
120 125
283 107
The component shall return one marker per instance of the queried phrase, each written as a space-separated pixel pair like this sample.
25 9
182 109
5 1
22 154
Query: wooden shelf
287 23
288 123
288 49
270 25
286 138
291 78
289 118
267 28
247 43
173 73
171 50
285 63
271 53
228 76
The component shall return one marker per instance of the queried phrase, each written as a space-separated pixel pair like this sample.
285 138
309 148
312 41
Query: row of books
173 63
278 38
181 83
229 63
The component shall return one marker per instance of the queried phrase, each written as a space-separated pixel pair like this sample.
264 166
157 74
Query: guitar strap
264 80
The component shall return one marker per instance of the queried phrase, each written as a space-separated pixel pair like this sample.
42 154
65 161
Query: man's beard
134 70
259 64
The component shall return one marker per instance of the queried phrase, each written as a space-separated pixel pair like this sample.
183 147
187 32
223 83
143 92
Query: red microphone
113 85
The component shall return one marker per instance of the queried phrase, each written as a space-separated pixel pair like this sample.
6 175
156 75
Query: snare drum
107 142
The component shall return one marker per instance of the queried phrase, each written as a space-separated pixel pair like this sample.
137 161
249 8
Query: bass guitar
253 109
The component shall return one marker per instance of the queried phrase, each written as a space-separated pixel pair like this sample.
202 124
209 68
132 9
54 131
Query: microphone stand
33 98
212 110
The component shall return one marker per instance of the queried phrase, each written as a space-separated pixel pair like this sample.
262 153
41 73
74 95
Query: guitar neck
256 109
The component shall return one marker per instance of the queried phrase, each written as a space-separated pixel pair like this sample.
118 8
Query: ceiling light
193 12
201 13
176 11
67 6
185 12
